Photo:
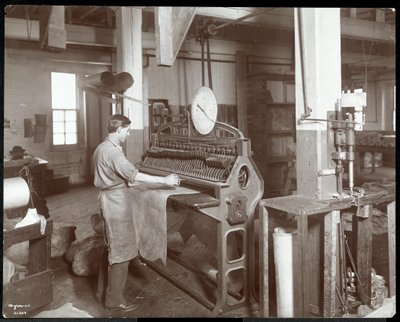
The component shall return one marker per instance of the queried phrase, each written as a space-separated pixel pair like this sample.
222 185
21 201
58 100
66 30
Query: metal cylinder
122 81
103 79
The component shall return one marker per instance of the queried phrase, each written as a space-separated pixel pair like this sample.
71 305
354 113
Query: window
64 109
359 115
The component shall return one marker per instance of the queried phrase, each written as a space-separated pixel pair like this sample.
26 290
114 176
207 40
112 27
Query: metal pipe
201 273
307 110
340 179
223 60
350 138
179 284
102 91
326 120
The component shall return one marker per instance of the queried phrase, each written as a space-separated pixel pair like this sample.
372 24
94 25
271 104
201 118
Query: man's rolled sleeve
124 168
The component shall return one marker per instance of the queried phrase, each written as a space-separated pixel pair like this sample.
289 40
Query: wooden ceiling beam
52 28
171 26
282 18
89 12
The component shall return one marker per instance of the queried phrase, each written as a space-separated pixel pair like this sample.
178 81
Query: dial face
204 110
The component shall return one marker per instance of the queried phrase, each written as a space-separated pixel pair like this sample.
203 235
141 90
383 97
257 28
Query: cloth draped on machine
140 225
149 211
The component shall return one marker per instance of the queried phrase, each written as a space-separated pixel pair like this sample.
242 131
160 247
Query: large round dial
204 110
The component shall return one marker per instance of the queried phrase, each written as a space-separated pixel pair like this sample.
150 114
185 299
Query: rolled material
283 255
122 81
16 193
98 80
107 80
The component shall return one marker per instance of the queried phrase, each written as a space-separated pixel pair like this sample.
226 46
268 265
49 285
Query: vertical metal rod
339 174
307 110
209 64
202 62
350 144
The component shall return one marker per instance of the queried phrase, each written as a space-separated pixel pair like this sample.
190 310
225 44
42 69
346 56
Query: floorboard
157 296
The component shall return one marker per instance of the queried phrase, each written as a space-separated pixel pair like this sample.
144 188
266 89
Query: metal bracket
236 210
363 211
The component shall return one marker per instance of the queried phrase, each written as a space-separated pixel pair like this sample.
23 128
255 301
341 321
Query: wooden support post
362 251
391 217
263 260
318 30
129 59
330 262
318 87
304 265
163 24
240 68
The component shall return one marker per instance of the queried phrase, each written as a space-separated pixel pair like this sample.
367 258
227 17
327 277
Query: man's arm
171 180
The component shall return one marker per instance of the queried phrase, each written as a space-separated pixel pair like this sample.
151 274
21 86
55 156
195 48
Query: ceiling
104 16
252 29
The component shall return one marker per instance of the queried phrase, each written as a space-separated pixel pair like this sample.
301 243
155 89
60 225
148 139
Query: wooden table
302 207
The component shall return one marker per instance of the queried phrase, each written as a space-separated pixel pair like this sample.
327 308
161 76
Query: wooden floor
156 295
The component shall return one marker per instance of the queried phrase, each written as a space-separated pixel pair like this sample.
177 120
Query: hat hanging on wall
17 152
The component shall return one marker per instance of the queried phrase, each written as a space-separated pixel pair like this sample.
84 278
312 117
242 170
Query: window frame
64 147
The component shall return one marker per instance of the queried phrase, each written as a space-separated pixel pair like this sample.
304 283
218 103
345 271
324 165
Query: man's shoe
123 307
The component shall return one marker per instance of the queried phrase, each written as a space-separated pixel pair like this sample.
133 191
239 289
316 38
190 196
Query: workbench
36 289
386 151
302 208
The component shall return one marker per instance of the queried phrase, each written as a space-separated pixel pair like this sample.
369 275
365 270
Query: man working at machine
113 175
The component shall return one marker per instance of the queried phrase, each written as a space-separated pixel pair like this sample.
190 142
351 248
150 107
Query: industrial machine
214 159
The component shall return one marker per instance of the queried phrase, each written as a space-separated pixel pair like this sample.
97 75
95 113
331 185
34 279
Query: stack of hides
84 254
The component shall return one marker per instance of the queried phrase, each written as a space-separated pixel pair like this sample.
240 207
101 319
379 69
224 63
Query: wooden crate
28 294
36 289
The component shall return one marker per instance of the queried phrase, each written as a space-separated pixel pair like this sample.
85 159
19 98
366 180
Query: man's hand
172 180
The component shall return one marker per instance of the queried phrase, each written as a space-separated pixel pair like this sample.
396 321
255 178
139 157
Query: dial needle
201 109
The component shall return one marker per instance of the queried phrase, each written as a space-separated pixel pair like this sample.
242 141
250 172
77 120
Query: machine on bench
214 159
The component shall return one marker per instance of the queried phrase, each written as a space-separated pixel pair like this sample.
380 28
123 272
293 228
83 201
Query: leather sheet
149 210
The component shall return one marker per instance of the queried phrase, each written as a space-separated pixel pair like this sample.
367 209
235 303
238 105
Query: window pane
58 116
70 127
71 138
58 139
63 91
70 115
58 127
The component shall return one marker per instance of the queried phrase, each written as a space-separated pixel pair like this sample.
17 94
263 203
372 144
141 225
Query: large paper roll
15 193
283 255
